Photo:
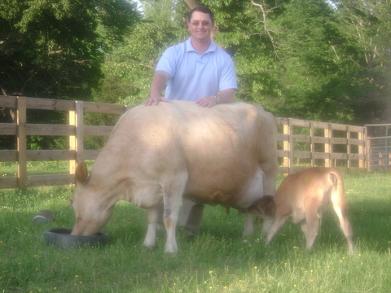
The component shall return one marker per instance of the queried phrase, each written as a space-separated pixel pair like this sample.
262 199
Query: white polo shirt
192 75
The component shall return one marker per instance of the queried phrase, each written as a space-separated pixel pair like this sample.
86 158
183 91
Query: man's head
202 9
200 23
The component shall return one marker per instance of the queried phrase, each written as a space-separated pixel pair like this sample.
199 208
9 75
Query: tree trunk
192 3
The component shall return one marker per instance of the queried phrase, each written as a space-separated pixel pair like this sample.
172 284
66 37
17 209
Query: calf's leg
311 227
277 224
345 226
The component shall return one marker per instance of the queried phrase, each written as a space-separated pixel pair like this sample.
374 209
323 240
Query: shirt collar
189 47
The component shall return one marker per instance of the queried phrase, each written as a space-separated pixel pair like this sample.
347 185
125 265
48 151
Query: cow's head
89 204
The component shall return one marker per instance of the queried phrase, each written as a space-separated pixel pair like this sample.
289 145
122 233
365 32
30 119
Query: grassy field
217 260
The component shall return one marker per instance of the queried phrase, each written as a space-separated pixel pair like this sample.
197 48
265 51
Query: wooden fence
301 143
304 143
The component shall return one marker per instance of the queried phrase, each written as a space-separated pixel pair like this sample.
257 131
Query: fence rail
300 142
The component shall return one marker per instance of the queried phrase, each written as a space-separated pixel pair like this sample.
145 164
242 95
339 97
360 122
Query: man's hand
154 100
207 101
158 84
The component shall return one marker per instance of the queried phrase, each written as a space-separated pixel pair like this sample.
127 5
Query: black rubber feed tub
62 238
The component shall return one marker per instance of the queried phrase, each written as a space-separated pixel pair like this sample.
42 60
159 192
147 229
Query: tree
128 69
368 24
55 48
314 62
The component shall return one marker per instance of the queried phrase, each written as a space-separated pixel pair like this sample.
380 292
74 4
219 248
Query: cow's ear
81 173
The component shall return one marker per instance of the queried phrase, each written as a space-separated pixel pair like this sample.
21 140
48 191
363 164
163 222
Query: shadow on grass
371 226
371 223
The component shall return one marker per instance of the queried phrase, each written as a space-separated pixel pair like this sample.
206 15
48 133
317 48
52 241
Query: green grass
35 167
217 260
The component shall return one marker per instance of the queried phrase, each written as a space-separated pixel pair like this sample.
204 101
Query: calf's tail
339 204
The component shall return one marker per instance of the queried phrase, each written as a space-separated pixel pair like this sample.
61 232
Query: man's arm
222 97
225 96
159 82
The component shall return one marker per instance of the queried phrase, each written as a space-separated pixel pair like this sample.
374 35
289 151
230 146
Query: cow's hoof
149 245
171 249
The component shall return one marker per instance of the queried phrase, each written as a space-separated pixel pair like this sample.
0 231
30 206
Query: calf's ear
81 173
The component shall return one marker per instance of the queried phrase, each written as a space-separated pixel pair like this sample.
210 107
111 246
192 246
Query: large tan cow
155 155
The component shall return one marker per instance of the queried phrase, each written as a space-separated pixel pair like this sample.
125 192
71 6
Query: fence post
76 141
361 150
348 147
327 145
312 146
387 150
287 146
21 142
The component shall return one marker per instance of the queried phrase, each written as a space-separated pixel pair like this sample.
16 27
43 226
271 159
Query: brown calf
302 196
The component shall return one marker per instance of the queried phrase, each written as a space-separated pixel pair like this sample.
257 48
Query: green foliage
128 69
312 58
368 25
53 48
241 33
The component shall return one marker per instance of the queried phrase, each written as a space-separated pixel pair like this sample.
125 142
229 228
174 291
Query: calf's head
264 208
89 204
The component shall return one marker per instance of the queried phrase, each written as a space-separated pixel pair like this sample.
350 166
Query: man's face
200 26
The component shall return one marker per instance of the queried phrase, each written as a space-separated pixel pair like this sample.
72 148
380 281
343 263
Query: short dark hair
203 9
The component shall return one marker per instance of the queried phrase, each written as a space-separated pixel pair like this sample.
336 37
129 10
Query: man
196 70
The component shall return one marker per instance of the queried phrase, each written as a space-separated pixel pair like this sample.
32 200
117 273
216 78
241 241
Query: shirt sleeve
166 62
228 78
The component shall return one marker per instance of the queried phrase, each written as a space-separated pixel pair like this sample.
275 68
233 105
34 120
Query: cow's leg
248 228
185 211
153 221
266 225
194 220
173 189
270 171
191 216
